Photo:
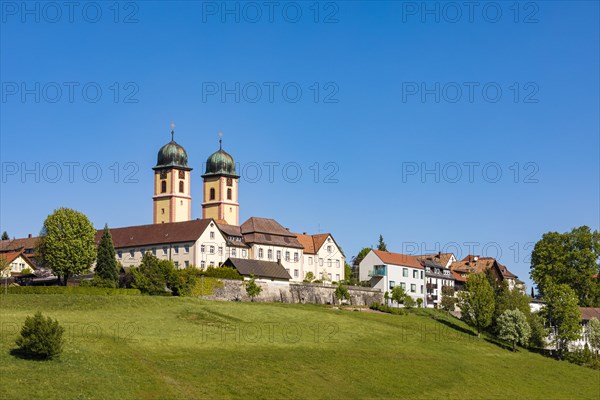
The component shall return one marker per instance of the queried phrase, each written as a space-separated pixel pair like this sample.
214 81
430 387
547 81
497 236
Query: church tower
221 188
172 188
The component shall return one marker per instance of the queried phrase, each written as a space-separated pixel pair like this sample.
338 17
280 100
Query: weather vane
172 130
220 140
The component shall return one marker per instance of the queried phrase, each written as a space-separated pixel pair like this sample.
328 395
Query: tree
409 302
507 299
252 289
41 337
347 272
532 293
381 246
106 263
448 300
593 334
309 277
67 244
398 294
569 258
477 302
513 328
342 293
5 236
360 256
562 313
386 297
154 276
419 302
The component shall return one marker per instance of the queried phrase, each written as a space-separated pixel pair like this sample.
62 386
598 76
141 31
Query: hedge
210 284
96 291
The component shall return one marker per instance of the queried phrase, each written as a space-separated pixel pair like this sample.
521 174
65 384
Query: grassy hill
163 347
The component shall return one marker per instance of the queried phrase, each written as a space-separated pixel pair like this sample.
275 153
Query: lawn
141 347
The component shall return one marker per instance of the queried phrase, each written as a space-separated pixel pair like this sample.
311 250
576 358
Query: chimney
29 236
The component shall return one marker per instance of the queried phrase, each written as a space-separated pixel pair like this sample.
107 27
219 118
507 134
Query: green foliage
381 245
507 299
386 297
222 272
419 302
448 302
539 332
5 236
106 263
252 288
309 277
477 302
67 245
342 293
513 327
569 258
409 302
562 313
72 290
99 282
398 294
26 271
40 337
387 309
583 356
205 286
361 255
347 272
593 334
154 276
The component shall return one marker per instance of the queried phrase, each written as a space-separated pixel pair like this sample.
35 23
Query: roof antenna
220 140
172 131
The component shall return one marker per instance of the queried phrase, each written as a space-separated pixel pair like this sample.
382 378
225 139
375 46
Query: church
218 235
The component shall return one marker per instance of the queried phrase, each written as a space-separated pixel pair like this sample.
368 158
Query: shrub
341 293
222 272
205 286
99 282
252 289
40 337
409 302
26 271
95 291
419 302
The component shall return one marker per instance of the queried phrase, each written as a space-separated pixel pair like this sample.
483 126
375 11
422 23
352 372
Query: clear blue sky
371 61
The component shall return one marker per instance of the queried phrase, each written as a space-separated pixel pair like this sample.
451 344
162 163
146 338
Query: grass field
167 348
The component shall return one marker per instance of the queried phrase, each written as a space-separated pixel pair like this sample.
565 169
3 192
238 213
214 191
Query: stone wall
310 293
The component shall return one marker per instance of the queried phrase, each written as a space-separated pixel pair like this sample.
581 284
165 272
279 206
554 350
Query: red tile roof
398 259
588 313
10 257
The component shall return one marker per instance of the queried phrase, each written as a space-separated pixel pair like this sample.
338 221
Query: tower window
228 194
162 210
212 193
180 186
163 186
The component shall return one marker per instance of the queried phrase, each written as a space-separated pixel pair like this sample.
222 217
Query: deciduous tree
513 327
398 294
593 334
448 300
342 293
252 289
562 314
477 302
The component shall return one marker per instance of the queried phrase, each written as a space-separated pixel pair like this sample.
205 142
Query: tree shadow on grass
500 344
455 326
25 355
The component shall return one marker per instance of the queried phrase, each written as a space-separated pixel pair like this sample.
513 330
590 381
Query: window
270 254
176 249
142 251
405 272
228 194
165 250
421 289
212 193
212 235
186 248
337 263
413 288
415 274
279 254
212 264
329 276
295 273
187 263
202 264
176 264
220 250
202 248
320 262
287 270
260 253
295 256
120 254
328 263
309 260
337 277
421 274
329 249
212 249
403 285
154 251
233 252
180 186
162 211
163 186
132 253
287 256
244 253
392 284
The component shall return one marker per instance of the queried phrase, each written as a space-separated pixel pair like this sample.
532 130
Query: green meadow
140 347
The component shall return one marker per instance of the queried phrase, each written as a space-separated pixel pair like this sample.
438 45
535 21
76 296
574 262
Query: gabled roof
144 235
269 232
588 313
474 263
440 258
13 255
307 242
398 259
258 268
29 243
458 276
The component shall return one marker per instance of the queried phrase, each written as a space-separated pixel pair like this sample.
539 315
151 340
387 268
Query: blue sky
380 103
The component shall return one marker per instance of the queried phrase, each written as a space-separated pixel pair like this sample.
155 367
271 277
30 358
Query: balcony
432 298
379 270
432 286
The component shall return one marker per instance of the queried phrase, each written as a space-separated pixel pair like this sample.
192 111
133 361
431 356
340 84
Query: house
260 269
28 246
476 264
437 276
16 263
385 270
323 257
587 313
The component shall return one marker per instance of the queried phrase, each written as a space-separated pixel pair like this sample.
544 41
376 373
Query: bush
208 288
40 337
222 272
95 291
387 309
99 282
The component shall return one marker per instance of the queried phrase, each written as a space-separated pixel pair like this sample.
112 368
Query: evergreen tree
106 263
532 293
5 236
381 246
477 302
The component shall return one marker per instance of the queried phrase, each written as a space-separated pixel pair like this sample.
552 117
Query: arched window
163 186
228 194
180 186
212 193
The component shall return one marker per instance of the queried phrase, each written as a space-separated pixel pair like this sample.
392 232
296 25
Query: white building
385 270
437 276
16 262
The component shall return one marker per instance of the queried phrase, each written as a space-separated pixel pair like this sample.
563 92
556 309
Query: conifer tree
106 263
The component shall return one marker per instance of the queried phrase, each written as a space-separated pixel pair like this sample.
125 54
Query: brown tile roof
458 276
269 232
16 244
440 258
482 263
588 313
230 230
258 268
144 235
398 259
